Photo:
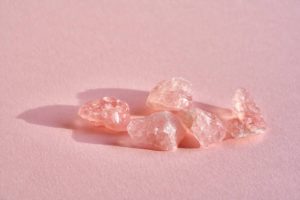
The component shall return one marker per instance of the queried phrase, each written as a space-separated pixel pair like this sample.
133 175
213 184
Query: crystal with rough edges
206 127
109 112
158 131
171 95
249 119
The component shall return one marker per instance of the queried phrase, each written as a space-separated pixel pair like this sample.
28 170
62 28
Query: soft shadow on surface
65 116
57 116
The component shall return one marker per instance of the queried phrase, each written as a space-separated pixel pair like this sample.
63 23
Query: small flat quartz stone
249 120
109 112
206 127
158 131
170 95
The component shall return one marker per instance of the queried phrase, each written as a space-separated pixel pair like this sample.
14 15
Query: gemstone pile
173 116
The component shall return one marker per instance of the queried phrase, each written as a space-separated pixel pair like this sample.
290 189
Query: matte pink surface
57 54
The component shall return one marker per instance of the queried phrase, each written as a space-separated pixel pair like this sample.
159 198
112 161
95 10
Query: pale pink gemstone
171 95
236 128
109 112
249 119
206 127
158 131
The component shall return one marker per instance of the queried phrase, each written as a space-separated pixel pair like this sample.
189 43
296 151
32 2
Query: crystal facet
158 131
249 119
171 95
206 127
109 112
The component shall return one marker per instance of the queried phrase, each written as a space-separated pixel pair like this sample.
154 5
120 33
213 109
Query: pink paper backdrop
56 54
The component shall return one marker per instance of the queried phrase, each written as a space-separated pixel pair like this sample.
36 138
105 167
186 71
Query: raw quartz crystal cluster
248 119
174 116
109 112
158 131
206 127
171 95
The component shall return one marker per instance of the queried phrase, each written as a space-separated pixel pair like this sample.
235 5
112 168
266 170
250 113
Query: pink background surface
56 54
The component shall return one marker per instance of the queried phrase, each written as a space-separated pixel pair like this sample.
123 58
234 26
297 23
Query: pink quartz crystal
158 131
206 127
109 112
171 95
249 119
